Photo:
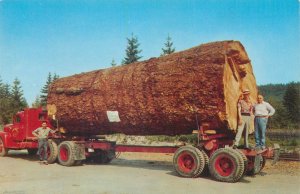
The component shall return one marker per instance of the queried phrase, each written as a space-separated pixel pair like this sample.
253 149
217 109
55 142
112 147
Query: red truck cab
18 135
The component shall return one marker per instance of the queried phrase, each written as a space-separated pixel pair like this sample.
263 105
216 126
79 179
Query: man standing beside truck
262 111
42 134
244 119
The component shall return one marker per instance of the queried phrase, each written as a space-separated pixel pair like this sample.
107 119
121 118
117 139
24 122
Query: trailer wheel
256 166
226 165
3 150
52 152
245 161
205 171
32 151
66 153
188 161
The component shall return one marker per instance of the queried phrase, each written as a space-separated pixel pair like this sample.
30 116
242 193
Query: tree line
285 98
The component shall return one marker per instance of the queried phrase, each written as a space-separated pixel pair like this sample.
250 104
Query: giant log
169 95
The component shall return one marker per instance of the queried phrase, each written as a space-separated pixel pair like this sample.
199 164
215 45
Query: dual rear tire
225 164
189 161
66 156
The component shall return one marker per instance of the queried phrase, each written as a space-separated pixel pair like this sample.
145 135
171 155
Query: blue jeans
260 124
43 145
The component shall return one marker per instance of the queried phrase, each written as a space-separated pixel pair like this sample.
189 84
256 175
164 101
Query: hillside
275 91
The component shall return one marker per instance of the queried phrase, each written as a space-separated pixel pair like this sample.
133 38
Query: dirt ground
134 173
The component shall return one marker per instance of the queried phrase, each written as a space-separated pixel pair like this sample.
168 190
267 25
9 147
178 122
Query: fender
6 138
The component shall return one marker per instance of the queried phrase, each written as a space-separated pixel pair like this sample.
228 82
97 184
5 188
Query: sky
69 37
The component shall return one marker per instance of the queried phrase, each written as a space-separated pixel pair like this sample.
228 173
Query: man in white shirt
262 111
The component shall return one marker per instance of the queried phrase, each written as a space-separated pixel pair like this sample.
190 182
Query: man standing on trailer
262 111
244 119
42 134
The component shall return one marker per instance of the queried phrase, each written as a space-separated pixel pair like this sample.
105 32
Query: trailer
212 154
192 91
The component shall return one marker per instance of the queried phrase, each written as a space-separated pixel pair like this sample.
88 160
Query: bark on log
158 96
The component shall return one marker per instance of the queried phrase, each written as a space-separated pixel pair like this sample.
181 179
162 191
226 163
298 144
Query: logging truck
192 91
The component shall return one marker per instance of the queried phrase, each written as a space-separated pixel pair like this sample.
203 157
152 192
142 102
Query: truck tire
52 151
205 171
32 151
188 161
260 165
3 150
226 165
245 159
66 153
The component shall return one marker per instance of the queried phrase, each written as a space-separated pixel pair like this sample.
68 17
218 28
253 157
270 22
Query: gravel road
134 173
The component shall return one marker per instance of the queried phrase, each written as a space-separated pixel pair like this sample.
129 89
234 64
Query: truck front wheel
3 150
66 153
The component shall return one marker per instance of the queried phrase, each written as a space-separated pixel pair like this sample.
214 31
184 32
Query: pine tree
18 100
132 51
168 47
5 103
37 102
113 63
55 77
291 102
44 90
2 89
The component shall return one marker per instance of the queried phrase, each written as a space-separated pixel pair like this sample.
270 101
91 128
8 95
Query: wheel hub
63 153
186 162
224 166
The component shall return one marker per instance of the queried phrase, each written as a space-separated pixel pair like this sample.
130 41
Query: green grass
290 144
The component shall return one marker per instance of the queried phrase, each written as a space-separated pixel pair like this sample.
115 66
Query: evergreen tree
168 47
4 89
37 102
44 91
18 101
291 102
113 63
5 103
278 121
55 77
11 100
132 51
